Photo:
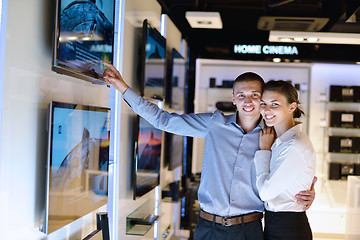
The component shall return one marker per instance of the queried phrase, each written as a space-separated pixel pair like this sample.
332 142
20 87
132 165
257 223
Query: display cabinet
341 128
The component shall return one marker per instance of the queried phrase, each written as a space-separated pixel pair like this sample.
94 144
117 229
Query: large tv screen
84 37
152 63
147 156
77 166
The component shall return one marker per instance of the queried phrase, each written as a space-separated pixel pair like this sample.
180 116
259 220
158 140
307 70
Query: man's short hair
249 77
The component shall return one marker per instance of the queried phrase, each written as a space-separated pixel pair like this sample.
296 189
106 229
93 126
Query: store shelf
333 102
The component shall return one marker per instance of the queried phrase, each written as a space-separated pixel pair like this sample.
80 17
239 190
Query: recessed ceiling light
285 39
276 60
312 39
315 37
204 19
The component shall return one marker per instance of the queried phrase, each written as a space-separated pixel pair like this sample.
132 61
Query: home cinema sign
266 49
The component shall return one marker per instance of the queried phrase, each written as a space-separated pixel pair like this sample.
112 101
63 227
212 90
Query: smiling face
276 110
246 97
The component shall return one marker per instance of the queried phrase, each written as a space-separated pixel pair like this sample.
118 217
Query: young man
229 200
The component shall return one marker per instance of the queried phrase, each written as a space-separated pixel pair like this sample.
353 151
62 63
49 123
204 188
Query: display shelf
337 102
340 128
343 153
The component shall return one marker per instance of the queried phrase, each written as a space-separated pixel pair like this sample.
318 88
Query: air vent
291 23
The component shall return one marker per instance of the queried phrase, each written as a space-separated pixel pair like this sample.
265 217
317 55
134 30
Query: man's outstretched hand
306 198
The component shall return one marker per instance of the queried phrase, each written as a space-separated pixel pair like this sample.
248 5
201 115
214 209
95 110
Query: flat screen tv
177 81
152 65
77 166
84 37
147 158
173 150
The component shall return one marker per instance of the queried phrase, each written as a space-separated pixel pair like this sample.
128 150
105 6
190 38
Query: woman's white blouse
285 170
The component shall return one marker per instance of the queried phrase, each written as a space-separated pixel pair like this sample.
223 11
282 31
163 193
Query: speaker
344 93
335 171
344 119
212 82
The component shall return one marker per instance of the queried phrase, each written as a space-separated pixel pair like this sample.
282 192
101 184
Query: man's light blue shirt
228 177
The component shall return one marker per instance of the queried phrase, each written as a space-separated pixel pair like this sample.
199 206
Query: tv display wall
77 167
84 37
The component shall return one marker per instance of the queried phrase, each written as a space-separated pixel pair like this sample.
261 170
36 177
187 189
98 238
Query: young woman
284 166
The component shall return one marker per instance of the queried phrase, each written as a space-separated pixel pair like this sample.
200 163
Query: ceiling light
298 39
318 37
276 60
285 40
204 19
312 39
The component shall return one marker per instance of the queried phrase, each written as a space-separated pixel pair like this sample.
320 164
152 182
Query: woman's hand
267 138
114 78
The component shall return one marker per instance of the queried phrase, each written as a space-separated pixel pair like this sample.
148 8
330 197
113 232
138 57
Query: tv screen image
153 63
78 158
84 38
148 156
177 83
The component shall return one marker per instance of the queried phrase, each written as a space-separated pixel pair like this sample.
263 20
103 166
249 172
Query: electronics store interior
126 179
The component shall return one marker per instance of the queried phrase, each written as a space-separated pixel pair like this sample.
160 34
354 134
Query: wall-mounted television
147 158
84 37
173 150
77 164
152 63
177 82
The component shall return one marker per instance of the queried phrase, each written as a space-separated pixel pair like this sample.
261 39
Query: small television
177 81
84 38
77 164
147 158
152 63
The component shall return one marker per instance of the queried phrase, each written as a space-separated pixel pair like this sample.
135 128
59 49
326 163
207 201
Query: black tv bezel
168 159
49 127
147 26
136 159
65 70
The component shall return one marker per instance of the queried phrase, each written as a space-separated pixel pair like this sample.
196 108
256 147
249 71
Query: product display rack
340 142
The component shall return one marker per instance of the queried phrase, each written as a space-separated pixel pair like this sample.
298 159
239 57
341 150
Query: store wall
29 86
135 12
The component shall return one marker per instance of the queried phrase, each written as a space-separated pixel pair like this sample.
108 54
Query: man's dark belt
234 220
